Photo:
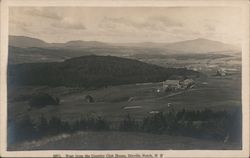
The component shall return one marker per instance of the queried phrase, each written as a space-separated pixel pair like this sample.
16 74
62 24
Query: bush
234 126
155 124
89 99
205 124
21 97
129 124
91 123
43 126
42 99
22 130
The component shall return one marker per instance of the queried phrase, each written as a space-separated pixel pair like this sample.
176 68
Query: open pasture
114 102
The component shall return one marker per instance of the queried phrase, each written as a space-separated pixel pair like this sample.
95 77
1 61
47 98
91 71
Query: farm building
187 83
131 99
169 85
221 72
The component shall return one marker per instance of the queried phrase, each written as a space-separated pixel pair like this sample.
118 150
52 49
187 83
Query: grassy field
122 141
219 93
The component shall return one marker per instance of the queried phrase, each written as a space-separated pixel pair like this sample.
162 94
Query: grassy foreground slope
122 140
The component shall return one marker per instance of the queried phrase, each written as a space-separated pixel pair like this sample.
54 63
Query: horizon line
125 42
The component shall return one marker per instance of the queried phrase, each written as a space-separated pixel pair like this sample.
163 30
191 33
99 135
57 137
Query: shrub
234 125
89 99
22 130
42 99
205 124
21 97
129 124
155 124
42 126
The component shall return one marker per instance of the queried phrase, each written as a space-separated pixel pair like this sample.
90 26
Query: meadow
139 100
219 93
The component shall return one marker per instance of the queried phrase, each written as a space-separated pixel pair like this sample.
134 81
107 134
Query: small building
221 72
169 85
131 99
89 99
187 83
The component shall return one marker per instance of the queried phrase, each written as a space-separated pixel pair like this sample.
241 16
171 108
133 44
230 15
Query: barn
187 83
169 85
221 72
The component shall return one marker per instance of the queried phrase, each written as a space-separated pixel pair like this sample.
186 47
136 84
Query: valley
113 81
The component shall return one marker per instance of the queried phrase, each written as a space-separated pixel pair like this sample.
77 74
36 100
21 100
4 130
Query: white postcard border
243 4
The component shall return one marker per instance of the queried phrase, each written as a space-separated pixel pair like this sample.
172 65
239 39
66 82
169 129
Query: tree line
205 124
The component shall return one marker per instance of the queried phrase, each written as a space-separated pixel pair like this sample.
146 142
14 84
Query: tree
43 99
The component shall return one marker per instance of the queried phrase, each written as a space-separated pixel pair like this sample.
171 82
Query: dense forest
92 71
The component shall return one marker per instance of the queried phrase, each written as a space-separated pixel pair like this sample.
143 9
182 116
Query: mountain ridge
199 45
27 50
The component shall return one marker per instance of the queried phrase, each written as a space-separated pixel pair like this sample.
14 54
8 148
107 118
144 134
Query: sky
127 24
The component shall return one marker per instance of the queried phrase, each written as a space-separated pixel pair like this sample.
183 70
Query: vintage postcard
124 79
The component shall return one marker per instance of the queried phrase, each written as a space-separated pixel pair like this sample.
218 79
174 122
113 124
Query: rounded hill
92 71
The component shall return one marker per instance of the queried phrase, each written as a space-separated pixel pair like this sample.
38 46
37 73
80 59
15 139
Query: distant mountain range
199 45
92 71
24 49
27 42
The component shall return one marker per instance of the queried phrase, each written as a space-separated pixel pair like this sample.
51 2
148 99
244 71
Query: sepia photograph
125 78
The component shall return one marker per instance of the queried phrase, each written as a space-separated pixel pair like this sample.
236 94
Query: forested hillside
91 71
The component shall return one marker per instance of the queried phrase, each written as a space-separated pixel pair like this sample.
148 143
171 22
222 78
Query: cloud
209 28
157 23
185 32
126 24
116 22
76 26
45 13
19 23
167 22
